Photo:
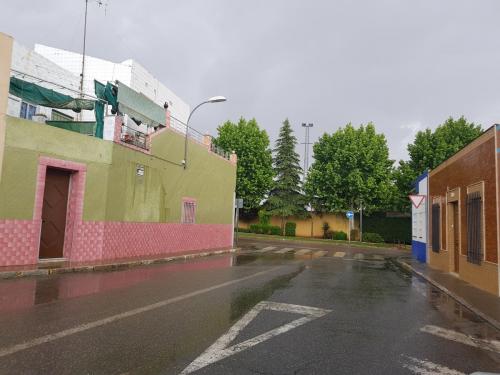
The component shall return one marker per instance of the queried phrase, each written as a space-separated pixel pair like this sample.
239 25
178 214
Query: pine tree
286 198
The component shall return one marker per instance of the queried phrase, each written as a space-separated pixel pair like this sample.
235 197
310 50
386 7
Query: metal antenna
83 54
306 148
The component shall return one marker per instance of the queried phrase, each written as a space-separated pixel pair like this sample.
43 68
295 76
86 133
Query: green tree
428 150
350 165
286 198
432 148
254 171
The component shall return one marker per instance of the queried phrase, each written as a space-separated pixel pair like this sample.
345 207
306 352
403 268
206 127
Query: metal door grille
474 228
436 227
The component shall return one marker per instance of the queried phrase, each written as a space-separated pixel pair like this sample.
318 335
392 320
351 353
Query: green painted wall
114 191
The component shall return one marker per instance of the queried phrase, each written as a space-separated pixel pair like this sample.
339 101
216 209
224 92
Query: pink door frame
74 213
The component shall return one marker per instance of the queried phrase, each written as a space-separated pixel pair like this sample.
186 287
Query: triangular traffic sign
221 349
416 200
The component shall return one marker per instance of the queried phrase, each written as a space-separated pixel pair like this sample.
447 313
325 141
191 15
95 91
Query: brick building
463 213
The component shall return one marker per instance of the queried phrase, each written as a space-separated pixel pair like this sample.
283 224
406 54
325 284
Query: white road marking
339 254
359 256
377 257
220 350
98 323
491 345
422 367
269 248
284 250
319 254
303 252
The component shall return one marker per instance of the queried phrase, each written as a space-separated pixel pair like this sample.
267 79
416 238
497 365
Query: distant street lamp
306 148
214 99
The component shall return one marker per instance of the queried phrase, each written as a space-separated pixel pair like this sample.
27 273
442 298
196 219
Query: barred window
436 227
474 227
188 212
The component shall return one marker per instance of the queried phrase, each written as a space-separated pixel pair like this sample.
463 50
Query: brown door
55 202
456 236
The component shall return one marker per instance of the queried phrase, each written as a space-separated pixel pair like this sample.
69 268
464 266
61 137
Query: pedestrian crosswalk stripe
303 251
284 250
319 254
269 248
339 254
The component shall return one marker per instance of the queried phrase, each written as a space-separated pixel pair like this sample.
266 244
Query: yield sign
221 349
416 200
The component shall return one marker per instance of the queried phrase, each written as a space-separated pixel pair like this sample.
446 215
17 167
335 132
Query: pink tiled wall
91 241
19 242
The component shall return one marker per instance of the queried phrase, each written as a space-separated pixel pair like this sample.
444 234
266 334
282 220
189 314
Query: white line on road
339 254
319 254
359 256
284 250
269 248
98 323
303 252
491 345
220 350
422 367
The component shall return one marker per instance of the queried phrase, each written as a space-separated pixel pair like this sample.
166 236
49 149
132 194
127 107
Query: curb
5 275
460 300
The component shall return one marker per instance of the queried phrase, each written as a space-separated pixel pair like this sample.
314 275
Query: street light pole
306 148
215 99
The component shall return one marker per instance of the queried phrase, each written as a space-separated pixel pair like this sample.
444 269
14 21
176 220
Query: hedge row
391 229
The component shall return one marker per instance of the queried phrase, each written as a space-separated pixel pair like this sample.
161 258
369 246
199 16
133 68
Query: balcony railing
197 136
134 137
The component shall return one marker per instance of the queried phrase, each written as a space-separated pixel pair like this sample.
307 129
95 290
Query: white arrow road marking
339 254
220 350
491 345
284 250
422 367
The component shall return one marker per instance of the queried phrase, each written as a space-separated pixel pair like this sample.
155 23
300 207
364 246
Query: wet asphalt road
323 310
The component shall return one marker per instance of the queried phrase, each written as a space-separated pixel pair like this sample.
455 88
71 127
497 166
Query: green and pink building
65 194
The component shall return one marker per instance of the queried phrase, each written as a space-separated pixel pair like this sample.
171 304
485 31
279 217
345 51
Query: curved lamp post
214 99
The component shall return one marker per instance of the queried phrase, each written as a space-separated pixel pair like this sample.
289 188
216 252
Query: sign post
238 204
350 216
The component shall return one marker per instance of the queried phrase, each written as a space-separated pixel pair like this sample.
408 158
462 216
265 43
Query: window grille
188 212
474 227
436 227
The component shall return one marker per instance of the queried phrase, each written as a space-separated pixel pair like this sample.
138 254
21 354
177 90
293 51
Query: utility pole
360 221
306 148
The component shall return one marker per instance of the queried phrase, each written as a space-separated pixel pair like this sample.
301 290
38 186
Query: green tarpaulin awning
139 106
39 95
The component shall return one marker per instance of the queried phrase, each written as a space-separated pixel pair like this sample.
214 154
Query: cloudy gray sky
402 64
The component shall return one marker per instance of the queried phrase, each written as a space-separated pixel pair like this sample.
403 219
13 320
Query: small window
188 212
436 227
474 227
27 111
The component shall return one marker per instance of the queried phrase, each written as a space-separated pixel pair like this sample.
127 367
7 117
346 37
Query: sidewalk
61 266
484 304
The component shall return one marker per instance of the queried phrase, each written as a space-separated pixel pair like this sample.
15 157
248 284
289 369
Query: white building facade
129 72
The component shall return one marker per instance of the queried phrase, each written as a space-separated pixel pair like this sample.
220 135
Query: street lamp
214 99
306 148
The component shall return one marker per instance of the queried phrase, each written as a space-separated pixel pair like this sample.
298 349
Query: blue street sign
349 214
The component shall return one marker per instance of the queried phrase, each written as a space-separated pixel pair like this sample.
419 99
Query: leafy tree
286 198
428 150
350 165
254 170
432 148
